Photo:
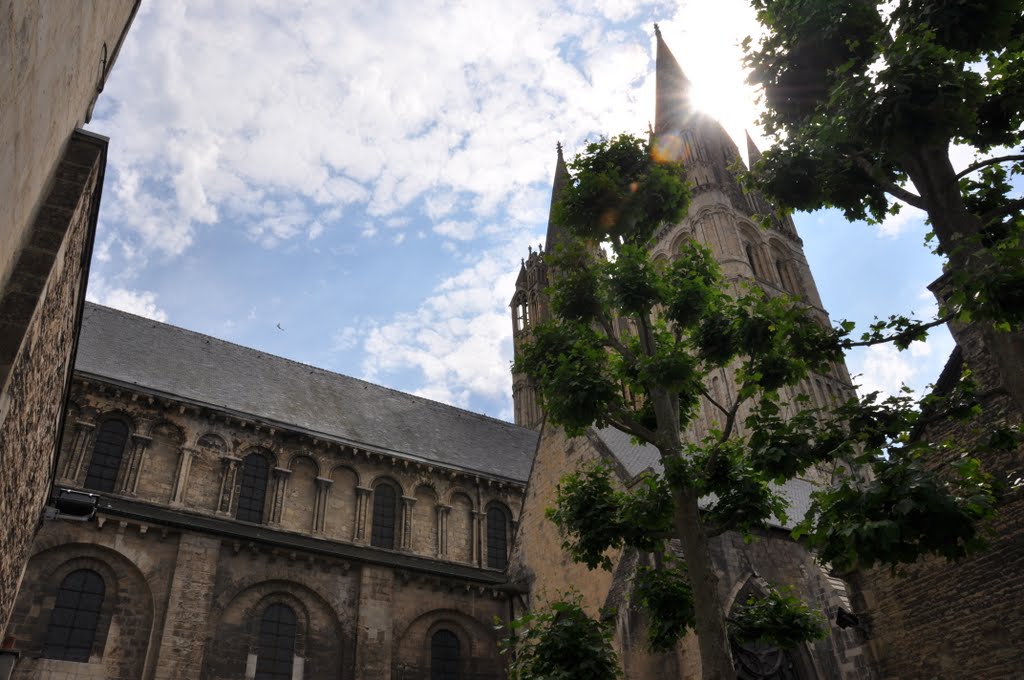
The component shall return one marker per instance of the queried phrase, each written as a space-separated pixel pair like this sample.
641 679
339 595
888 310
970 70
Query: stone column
362 501
408 503
129 482
374 623
228 477
75 454
281 476
323 491
182 643
475 531
181 479
442 529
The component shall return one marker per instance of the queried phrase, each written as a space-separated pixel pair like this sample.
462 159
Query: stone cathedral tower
721 216
727 220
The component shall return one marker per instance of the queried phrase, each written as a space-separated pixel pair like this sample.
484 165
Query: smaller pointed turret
672 100
555 233
753 153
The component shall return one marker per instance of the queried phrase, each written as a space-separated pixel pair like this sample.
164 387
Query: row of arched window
74 620
253 483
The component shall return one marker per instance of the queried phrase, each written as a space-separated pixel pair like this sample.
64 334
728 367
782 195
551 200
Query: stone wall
938 620
54 59
188 458
39 318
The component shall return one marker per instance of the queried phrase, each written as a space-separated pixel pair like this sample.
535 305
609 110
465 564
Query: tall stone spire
753 153
555 235
672 104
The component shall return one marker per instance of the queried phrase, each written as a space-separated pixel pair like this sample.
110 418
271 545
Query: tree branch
707 395
613 342
908 197
1002 211
847 344
630 425
987 162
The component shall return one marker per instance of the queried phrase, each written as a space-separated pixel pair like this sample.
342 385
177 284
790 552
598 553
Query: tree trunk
712 636
958 231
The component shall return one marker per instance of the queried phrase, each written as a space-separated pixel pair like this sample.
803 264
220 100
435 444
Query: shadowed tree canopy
864 100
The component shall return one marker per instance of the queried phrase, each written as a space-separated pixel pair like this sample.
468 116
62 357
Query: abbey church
264 519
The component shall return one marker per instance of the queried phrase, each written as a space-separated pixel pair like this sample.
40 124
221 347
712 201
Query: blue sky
353 186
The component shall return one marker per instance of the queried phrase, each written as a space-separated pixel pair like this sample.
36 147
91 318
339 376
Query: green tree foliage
632 344
560 643
864 99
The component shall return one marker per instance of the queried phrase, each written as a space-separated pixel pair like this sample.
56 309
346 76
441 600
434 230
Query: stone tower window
383 534
444 656
497 537
253 490
752 261
106 455
75 616
276 652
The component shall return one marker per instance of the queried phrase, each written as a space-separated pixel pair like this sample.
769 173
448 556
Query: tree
864 106
631 344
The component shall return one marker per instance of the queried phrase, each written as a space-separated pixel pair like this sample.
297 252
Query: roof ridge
425 400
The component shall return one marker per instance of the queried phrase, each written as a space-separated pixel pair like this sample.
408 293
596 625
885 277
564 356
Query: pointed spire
672 104
555 235
753 153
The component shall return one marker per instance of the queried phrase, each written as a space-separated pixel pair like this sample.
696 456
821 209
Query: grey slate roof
197 368
636 459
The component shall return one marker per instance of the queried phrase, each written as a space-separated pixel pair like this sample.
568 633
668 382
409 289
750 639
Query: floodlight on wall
68 504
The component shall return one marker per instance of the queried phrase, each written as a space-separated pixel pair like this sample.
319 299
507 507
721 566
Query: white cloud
140 302
896 225
460 231
885 369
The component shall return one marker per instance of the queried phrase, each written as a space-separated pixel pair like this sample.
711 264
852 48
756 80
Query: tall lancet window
75 617
521 312
445 656
384 515
252 492
106 455
276 653
497 537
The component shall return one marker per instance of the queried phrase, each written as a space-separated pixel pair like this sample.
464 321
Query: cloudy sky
352 185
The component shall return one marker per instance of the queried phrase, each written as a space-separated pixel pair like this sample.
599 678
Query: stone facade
187 583
54 59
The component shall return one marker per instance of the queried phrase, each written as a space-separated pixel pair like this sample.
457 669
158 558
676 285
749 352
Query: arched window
383 533
75 616
444 656
253 491
276 652
752 261
106 455
497 537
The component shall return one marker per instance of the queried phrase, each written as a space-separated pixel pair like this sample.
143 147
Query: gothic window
444 656
521 311
106 455
383 533
497 537
751 260
276 652
75 617
253 490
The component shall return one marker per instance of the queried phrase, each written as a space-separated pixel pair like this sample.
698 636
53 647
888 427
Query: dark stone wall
39 317
962 620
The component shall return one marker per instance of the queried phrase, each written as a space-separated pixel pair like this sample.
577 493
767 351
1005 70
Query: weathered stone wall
51 71
188 458
38 327
185 603
538 560
964 620
137 566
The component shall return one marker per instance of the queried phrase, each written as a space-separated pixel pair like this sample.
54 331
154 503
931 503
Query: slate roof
200 369
636 459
